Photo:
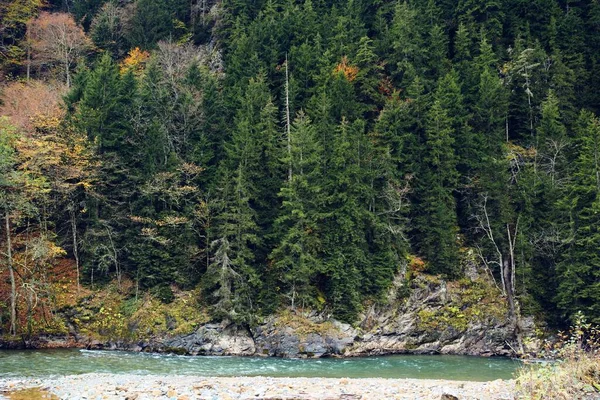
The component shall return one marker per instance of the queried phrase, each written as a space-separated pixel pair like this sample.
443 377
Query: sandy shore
135 387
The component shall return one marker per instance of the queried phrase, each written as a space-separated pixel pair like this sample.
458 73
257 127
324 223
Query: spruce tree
435 208
578 272
295 256
231 279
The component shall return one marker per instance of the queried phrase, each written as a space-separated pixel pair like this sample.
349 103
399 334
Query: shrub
574 372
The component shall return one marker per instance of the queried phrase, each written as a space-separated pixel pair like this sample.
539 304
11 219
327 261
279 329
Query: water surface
44 363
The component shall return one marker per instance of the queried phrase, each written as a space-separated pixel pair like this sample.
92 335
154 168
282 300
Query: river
45 363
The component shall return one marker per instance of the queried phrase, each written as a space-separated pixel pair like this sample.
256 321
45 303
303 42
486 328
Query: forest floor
134 387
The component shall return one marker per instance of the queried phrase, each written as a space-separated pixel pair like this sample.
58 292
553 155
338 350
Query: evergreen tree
552 142
407 59
434 208
101 111
295 256
153 20
578 287
231 279
342 222
108 29
429 125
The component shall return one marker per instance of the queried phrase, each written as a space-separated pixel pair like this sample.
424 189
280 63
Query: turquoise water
40 363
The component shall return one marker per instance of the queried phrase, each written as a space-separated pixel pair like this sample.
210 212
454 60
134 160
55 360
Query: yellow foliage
108 314
135 60
350 71
515 152
44 123
416 264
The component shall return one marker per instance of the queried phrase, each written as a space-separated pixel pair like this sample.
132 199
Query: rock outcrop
465 317
212 339
305 337
468 317
428 316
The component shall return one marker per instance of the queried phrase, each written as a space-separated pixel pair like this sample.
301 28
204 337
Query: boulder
213 339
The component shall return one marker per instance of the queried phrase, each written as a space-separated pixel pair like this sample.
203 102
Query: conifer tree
578 272
344 245
435 209
231 279
295 256
101 111
407 60
552 142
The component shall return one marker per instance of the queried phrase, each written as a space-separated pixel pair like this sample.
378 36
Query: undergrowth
574 370
303 326
113 314
470 302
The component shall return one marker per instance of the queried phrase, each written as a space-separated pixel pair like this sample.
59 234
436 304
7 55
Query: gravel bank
135 387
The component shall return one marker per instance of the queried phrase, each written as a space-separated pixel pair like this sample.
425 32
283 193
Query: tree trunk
13 285
68 72
287 117
75 248
515 314
28 61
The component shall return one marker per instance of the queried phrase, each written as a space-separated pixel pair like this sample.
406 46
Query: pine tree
552 142
152 21
108 29
249 178
486 13
407 60
101 111
343 218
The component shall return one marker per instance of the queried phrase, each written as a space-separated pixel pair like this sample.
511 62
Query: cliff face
425 316
466 317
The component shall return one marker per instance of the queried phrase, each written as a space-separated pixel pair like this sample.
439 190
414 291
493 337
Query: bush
574 372
163 292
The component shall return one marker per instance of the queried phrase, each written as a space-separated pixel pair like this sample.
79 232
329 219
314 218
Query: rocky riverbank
105 386
466 317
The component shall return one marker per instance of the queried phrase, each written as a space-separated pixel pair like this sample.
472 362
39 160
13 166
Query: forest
300 153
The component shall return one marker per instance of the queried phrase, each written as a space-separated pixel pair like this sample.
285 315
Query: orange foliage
31 105
43 275
386 87
135 60
349 71
57 40
416 264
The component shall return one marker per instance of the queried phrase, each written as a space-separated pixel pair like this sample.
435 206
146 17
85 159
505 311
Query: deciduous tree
57 40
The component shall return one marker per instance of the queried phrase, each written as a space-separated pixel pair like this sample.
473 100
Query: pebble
136 387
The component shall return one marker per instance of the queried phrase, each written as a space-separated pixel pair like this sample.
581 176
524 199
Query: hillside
226 160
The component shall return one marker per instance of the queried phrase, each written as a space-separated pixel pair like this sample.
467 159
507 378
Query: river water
44 363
